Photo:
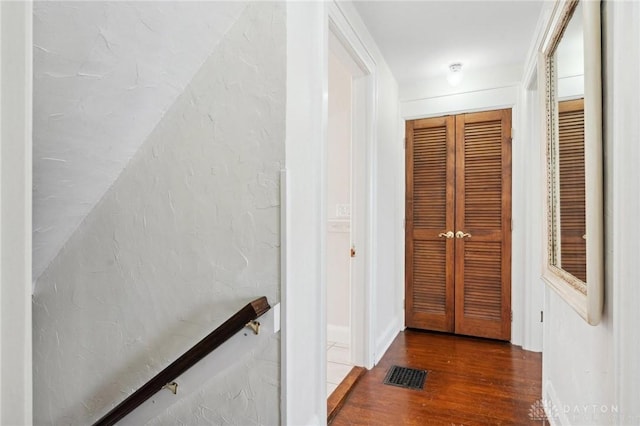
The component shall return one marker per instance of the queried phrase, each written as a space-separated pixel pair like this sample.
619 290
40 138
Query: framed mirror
570 64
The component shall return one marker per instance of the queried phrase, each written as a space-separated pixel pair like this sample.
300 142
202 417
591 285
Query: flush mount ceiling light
455 74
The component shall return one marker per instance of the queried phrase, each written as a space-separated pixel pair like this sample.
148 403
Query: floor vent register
405 377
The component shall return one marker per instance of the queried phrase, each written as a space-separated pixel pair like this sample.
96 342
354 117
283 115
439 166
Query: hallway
470 381
163 163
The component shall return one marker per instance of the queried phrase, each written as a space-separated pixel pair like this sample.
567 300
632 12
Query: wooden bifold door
458 224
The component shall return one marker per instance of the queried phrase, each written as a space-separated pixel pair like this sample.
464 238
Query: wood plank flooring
470 381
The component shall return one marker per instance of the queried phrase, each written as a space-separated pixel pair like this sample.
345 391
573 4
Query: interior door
429 256
458 225
483 224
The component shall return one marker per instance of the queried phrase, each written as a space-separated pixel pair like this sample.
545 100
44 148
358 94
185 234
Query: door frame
16 122
452 320
303 207
362 183
479 101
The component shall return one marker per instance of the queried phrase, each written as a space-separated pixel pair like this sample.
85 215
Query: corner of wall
385 339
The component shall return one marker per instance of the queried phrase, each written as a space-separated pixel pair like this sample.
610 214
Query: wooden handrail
216 338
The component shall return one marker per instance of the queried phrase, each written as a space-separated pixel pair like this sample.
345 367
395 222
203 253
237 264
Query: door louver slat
429 177
483 175
429 271
483 280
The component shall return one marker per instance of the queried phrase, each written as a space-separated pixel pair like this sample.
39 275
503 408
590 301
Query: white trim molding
16 391
480 100
303 294
303 354
363 175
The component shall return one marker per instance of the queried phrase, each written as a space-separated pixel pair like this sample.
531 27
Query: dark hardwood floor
470 381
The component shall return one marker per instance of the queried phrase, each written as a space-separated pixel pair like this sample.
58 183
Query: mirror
573 98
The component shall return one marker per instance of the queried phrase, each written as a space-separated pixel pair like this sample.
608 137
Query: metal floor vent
404 377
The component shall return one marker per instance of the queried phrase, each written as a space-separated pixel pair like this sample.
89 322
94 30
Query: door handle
448 234
461 234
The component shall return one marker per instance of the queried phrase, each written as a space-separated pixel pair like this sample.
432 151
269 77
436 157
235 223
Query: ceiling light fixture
455 74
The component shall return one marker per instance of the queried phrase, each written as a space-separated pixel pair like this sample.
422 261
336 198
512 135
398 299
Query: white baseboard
555 415
386 338
339 334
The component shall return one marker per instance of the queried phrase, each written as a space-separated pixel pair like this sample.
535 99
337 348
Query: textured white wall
187 234
104 75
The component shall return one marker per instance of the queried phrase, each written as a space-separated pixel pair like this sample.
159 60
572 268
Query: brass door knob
461 234
448 234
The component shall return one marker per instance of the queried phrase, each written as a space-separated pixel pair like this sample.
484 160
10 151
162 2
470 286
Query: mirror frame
586 298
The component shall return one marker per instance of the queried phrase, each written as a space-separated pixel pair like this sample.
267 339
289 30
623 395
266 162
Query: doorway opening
339 220
347 212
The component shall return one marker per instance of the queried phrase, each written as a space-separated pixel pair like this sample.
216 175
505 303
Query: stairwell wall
188 234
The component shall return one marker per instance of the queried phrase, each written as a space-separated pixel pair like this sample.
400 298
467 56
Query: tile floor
338 364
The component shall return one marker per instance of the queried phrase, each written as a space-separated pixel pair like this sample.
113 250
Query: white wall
187 235
15 213
529 196
622 35
338 196
389 214
590 373
476 80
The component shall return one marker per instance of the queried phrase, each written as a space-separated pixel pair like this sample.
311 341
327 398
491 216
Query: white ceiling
420 39
104 75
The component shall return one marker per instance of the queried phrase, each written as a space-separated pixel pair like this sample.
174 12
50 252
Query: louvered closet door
483 211
429 258
573 243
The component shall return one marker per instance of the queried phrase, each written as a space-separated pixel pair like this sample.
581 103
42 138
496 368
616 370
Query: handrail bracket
254 325
173 387
164 379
